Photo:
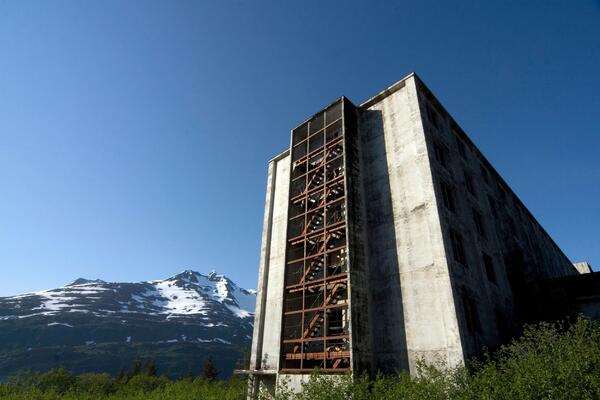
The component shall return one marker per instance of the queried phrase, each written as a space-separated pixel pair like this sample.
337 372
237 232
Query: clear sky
135 135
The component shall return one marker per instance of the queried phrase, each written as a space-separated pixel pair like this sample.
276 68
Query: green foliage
96 384
139 387
149 368
209 371
135 369
56 380
146 383
550 361
187 375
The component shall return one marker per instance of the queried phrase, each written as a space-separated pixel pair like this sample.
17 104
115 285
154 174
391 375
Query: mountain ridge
201 313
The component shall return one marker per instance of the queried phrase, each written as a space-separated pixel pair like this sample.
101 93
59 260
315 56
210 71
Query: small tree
122 377
136 368
149 368
188 374
209 370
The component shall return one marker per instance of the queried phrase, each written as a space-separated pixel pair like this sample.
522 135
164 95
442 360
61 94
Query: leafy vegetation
550 361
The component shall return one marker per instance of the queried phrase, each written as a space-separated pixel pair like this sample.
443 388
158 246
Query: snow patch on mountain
61 324
188 293
178 300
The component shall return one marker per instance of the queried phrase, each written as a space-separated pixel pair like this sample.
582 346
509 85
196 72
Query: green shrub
56 380
550 361
146 383
99 384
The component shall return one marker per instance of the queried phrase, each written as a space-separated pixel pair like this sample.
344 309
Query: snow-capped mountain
187 294
207 312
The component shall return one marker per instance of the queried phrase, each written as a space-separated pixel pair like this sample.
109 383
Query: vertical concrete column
263 272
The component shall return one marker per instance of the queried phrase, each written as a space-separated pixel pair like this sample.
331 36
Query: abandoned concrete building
388 237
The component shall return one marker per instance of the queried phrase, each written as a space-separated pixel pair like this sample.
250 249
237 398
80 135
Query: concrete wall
412 301
583 267
520 250
269 305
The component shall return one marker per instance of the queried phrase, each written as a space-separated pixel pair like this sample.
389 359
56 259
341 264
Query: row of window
449 203
460 256
317 123
441 155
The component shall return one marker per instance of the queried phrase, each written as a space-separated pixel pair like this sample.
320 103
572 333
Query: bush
56 380
146 383
98 384
550 361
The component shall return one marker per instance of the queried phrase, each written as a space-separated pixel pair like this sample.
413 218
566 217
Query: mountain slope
92 325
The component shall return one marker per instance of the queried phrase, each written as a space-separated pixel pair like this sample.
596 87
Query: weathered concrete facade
412 307
439 249
504 249
269 296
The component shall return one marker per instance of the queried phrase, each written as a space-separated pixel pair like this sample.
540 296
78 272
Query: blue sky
134 136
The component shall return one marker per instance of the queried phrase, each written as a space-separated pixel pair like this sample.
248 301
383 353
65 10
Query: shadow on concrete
387 314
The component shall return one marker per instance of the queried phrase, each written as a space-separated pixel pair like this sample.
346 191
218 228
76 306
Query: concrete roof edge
387 91
279 156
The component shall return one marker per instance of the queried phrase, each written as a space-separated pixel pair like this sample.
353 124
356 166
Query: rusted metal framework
315 314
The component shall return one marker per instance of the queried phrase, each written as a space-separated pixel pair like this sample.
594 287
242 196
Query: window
493 206
471 318
433 116
461 147
440 152
478 219
484 173
489 268
316 271
511 226
447 197
469 184
458 249
503 193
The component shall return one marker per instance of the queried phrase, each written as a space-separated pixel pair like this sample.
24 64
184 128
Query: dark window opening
511 226
461 148
447 196
493 206
316 142
471 318
458 249
293 324
433 116
299 151
489 268
441 154
334 113
299 134
316 124
484 173
469 184
478 220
